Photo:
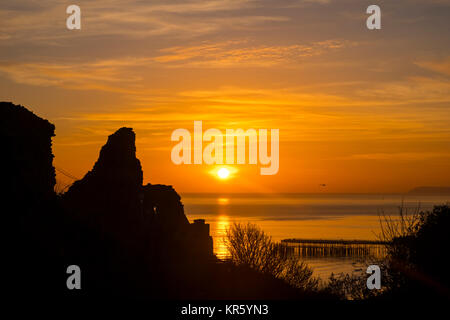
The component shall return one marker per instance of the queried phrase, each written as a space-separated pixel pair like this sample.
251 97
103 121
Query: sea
305 216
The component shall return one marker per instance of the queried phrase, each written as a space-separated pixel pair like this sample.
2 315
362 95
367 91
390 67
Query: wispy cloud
104 75
242 53
440 66
45 21
122 74
400 156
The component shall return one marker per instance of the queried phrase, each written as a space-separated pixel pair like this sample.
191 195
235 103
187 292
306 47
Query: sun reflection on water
223 201
222 224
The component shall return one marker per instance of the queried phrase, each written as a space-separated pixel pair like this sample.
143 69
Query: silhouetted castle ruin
104 219
27 157
129 240
112 199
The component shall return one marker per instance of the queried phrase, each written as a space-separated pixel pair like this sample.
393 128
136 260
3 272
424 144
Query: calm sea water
310 216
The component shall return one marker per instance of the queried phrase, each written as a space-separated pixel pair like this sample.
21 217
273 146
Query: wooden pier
335 248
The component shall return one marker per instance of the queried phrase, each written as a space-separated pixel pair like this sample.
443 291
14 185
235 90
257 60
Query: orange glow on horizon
355 113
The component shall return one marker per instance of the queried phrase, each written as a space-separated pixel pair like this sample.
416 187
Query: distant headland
425 190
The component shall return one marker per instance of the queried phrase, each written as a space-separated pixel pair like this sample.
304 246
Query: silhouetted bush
396 230
415 264
416 260
353 286
250 246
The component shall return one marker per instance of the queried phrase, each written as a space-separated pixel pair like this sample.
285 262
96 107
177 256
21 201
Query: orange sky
357 110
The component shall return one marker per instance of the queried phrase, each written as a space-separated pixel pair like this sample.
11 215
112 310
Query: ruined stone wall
26 142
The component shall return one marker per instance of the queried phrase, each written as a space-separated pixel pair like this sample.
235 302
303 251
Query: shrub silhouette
250 246
414 267
416 259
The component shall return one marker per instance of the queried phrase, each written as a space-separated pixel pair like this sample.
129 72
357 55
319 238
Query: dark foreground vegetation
251 247
134 241
415 266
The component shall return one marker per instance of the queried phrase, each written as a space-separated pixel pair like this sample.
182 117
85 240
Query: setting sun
223 173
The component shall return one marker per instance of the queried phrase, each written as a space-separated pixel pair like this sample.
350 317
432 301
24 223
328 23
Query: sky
358 110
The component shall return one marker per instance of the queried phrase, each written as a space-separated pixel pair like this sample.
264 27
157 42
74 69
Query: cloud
82 76
402 156
410 91
125 74
440 66
24 22
241 53
316 1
